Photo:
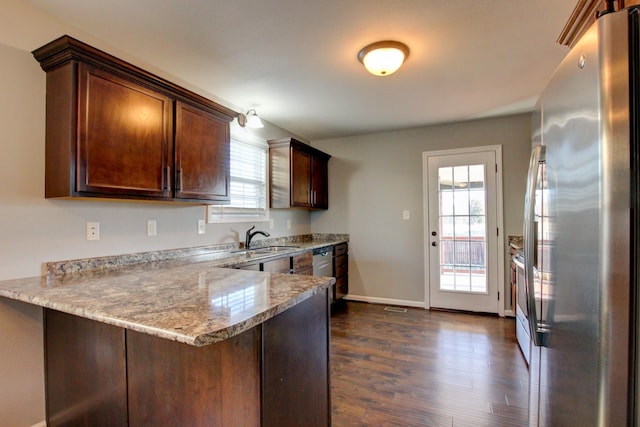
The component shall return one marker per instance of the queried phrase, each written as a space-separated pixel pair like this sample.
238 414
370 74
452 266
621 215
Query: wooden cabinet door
341 265
300 178
202 155
302 264
85 372
123 137
340 271
175 384
319 184
295 366
298 175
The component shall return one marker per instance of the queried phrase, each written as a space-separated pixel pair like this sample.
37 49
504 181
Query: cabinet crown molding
116 131
292 141
66 49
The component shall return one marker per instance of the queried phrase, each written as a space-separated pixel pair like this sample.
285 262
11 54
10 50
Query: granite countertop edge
98 293
199 340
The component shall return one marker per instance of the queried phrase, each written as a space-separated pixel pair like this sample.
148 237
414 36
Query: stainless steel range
522 325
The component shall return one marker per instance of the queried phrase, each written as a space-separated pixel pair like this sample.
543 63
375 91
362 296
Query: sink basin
269 249
264 250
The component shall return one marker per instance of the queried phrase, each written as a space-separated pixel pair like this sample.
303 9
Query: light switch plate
201 227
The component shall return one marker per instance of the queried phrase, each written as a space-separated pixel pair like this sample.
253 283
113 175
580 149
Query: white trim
388 301
509 313
497 149
500 223
425 228
40 424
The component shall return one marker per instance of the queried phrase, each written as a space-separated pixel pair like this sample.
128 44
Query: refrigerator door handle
539 333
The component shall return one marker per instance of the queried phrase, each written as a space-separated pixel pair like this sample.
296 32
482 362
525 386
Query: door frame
497 150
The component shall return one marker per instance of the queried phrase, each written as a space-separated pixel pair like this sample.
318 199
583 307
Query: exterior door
461 240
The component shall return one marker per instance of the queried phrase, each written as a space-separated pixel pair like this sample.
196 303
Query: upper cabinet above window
114 130
298 175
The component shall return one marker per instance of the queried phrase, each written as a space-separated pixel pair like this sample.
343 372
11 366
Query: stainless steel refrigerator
581 232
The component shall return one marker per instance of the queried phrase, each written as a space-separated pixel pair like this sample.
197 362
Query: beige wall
373 178
34 230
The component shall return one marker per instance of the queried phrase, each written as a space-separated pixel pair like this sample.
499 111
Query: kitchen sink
270 249
264 250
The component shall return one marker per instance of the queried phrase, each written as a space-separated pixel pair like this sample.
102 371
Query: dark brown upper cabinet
123 138
114 130
298 175
202 154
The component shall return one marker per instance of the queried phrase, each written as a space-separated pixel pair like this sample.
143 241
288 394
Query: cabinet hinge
498 295
496 168
497 231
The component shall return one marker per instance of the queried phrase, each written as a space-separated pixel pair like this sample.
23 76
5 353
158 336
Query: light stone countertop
516 242
188 299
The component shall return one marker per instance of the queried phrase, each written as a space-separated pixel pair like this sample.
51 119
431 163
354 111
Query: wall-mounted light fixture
384 57
250 119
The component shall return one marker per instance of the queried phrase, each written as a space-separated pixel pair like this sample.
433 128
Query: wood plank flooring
425 368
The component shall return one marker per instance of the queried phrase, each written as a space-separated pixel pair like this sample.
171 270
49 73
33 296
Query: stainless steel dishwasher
323 261
323 265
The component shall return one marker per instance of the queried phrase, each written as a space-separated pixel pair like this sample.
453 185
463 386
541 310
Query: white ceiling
295 60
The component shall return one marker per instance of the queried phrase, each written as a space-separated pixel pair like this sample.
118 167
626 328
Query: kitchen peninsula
182 341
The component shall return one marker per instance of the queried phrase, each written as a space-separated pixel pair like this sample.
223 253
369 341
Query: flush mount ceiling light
250 119
384 57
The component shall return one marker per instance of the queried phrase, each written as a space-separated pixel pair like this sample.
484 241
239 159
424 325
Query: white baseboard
387 301
40 424
405 303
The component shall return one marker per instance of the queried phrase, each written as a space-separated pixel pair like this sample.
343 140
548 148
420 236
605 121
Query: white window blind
248 157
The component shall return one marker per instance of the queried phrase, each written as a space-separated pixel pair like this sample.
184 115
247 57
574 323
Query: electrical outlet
152 228
272 224
93 231
201 227
288 224
406 215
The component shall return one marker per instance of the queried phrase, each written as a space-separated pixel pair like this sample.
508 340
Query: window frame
230 214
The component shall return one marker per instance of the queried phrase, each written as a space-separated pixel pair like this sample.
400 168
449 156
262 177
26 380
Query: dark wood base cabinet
85 372
341 271
295 376
275 374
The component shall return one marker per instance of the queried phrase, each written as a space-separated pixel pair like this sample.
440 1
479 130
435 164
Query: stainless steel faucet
247 242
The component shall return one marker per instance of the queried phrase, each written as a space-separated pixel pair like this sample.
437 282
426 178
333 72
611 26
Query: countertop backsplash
212 252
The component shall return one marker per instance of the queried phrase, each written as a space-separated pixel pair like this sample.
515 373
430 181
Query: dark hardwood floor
425 368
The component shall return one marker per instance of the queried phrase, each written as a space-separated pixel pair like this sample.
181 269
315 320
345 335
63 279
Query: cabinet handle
179 180
167 179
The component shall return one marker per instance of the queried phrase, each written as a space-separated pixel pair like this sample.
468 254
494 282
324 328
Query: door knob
433 233
434 244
